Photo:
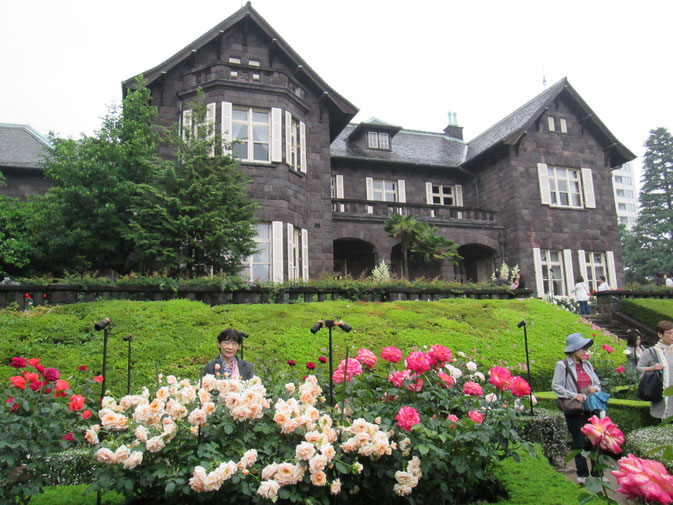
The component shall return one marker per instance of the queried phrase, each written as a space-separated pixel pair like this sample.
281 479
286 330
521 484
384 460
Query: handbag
651 386
570 406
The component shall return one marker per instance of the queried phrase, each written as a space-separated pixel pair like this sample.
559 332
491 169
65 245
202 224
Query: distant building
626 194
21 153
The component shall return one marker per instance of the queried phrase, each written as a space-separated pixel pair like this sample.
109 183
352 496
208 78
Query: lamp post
106 325
128 339
329 324
523 325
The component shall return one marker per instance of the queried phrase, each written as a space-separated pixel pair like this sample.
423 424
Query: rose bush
414 438
40 416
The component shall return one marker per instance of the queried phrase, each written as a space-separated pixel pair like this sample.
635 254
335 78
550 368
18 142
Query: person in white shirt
603 285
581 291
669 281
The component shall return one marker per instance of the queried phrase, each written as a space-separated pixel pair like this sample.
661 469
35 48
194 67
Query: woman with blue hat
574 378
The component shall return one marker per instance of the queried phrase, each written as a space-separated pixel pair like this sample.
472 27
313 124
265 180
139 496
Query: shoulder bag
651 384
570 406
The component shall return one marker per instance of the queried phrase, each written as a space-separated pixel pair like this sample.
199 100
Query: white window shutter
401 191
226 126
543 180
302 143
537 264
459 198
550 123
288 138
276 135
210 124
582 260
588 184
568 267
304 254
339 186
428 193
186 124
612 272
277 251
290 251
370 188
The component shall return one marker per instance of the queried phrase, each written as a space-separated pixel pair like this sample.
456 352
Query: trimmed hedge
648 310
548 428
652 443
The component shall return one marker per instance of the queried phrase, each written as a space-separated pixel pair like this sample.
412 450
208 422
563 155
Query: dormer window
376 140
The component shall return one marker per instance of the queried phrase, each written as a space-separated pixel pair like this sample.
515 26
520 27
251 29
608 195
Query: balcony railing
367 208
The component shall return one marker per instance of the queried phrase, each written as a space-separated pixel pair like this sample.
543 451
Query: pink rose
500 377
643 478
418 362
441 353
476 416
18 382
398 378
447 380
619 369
51 374
605 433
33 361
76 403
98 378
472 389
342 373
519 387
452 419
70 437
391 354
607 348
31 376
367 358
18 362
416 384
407 417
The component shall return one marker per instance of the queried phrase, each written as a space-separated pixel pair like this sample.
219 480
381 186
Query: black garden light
329 324
106 326
524 324
128 339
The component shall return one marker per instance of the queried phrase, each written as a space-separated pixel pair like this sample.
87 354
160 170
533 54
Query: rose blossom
70 437
291 362
472 389
82 368
619 369
440 353
343 373
268 489
33 361
105 455
416 384
398 378
604 432
407 417
304 451
249 457
476 416
310 365
453 419
471 366
491 398
18 382
500 377
391 354
318 478
155 444
86 414
91 435
366 357
98 378
519 387
643 478
134 459
607 348
335 486
418 362
76 403
447 380
32 377
51 374
18 362
322 359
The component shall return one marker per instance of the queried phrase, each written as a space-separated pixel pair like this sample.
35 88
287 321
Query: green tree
649 248
83 220
15 243
420 241
196 213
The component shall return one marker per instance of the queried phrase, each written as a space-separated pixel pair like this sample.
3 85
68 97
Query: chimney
453 130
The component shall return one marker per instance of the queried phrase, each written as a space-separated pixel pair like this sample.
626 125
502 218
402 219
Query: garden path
569 472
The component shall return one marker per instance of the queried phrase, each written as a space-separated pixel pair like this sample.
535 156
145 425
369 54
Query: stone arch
354 257
478 262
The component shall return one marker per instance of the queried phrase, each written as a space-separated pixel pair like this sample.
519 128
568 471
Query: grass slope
179 336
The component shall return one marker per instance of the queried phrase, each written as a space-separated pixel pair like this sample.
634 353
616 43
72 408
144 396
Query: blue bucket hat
576 341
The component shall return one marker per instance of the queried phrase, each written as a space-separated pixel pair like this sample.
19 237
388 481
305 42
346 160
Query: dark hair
602 277
631 338
580 278
522 282
230 334
663 326
497 274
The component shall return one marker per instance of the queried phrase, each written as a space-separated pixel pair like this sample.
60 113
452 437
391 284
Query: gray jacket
245 368
563 385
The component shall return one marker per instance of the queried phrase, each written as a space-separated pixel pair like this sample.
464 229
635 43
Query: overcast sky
406 62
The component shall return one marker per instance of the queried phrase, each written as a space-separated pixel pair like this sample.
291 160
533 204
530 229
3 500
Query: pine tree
653 232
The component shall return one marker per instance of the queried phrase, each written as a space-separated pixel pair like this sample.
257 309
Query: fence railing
608 301
26 295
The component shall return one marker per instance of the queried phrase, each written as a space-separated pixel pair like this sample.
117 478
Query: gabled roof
343 110
376 124
21 146
509 130
410 147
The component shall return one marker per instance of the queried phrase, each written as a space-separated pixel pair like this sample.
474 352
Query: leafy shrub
381 272
70 467
653 442
548 428
648 310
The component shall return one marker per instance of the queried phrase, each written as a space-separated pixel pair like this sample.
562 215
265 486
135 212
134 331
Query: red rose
310 365
15 407
51 374
61 385
86 414
70 437
18 362
291 362
322 359
33 361
98 379
82 368
47 391
76 403
39 368
45 296
18 382
35 386
27 296
31 376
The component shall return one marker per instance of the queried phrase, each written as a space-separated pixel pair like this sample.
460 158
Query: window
443 195
233 59
595 267
623 179
250 134
253 63
564 187
550 123
295 260
552 272
384 191
625 193
626 167
563 125
378 140
295 146
630 207
629 221
257 268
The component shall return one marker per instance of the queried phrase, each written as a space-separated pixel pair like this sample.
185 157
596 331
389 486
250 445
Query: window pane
240 150
264 253
563 185
564 198
260 273
390 197
260 117
262 231
378 185
240 131
240 115
390 186
436 200
447 190
261 152
576 200
260 133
